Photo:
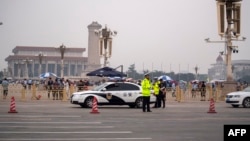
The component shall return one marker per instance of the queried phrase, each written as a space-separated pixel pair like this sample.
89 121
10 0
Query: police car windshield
100 87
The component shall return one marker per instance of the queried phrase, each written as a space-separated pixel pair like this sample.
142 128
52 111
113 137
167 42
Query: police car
111 93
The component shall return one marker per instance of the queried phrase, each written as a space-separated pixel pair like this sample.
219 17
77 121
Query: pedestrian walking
67 85
146 92
56 87
80 85
5 85
173 87
49 86
203 91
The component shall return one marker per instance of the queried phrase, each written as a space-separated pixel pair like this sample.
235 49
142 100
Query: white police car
239 98
111 93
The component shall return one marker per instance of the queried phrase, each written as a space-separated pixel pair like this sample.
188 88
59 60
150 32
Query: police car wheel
138 102
88 102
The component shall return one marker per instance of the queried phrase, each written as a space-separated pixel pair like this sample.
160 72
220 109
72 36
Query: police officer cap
146 74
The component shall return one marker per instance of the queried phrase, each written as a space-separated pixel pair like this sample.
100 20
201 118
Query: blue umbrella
47 74
165 78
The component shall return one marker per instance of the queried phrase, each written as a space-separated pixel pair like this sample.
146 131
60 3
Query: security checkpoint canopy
106 72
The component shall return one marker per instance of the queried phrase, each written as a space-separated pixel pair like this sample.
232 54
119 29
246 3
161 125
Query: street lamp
105 35
228 15
196 72
62 49
40 57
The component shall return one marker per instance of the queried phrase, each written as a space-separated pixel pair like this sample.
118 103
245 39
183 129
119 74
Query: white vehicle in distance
111 93
239 98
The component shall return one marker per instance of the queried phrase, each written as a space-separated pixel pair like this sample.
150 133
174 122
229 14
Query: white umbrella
47 74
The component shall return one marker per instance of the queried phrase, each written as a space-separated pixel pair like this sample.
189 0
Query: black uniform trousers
146 104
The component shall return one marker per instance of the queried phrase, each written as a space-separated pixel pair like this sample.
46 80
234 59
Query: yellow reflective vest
156 87
146 87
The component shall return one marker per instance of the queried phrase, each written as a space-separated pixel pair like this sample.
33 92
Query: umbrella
195 81
165 78
47 74
107 72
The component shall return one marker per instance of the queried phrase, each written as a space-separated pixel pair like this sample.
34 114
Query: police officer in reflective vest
156 87
146 87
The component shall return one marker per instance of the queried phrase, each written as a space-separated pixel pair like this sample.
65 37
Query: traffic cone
94 106
12 105
212 107
38 97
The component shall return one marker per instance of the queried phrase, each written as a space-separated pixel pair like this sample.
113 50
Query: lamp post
231 8
196 72
40 57
26 61
62 49
105 43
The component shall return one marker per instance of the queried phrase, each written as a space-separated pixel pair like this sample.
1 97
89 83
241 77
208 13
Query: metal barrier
179 95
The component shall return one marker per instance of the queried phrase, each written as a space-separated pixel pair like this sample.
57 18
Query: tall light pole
196 72
229 21
62 49
40 57
105 43
229 16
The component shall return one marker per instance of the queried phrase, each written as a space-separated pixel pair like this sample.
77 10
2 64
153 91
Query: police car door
113 94
130 92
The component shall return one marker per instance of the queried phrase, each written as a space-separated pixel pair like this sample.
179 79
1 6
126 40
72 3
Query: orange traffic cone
94 106
12 105
38 97
212 107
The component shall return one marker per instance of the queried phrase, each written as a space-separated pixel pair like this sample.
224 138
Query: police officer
162 93
146 87
156 87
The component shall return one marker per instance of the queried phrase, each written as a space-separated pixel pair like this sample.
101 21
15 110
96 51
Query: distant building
240 68
25 62
218 71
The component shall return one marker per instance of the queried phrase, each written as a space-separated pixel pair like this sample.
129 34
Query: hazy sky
153 34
